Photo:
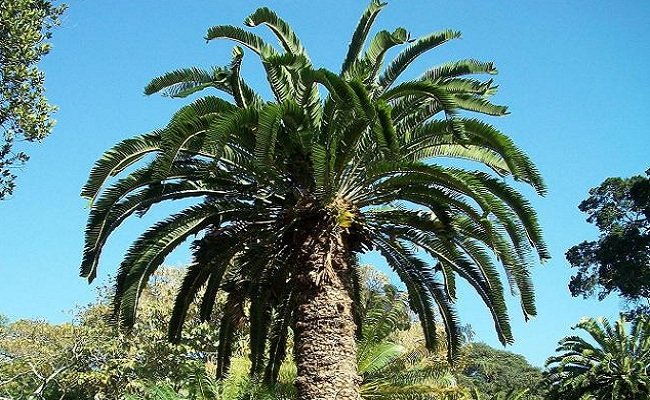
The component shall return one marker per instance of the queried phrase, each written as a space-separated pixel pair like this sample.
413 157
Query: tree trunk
325 347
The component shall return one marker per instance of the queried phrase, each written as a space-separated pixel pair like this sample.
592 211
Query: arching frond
186 81
459 68
115 160
408 55
361 33
250 40
150 250
373 58
279 27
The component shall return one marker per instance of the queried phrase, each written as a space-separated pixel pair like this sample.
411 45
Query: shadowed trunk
325 347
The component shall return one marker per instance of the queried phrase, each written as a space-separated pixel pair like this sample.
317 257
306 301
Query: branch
38 393
13 379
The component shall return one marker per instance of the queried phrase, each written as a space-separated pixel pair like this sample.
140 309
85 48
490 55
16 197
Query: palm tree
616 365
293 189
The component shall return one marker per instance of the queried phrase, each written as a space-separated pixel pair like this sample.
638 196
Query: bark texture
325 347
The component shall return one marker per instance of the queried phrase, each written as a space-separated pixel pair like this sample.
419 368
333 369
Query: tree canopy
89 359
619 261
25 114
493 372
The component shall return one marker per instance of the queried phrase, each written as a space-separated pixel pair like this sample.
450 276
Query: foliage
619 261
401 367
613 365
349 155
37 359
95 361
492 373
25 115
392 359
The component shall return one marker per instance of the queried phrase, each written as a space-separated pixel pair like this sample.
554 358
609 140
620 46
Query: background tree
619 261
493 372
25 114
612 365
91 360
293 189
36 359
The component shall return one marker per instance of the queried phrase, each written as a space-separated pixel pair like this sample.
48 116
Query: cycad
292 190
614 364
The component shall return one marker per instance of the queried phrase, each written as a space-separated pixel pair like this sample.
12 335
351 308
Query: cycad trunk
326 352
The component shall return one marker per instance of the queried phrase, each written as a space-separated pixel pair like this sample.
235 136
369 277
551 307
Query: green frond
473 153
286 36
408 55
479 105
378 357
190 122
416 277
210 295
467 86
308 98
340 90
482 277
196 276
116 159
111 210
240 91
385 131
266 137
250 40
278 336
361 33
279 69
186 81
450 320
459 68
373 58
522 208
521 167
420 88
319 162
149 251
235 124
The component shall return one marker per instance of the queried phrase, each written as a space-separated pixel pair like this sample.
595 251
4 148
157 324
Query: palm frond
286 36
186 81
361 33
250 40
115 160
149 251
408 55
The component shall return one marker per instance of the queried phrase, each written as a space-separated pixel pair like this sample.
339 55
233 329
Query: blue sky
574 75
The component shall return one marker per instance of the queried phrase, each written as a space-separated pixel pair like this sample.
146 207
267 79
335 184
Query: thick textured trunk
325 348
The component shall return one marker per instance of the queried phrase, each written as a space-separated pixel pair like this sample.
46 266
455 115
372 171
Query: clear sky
574 74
